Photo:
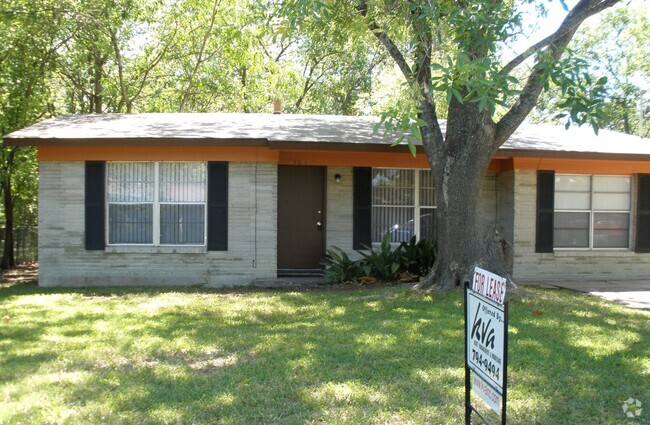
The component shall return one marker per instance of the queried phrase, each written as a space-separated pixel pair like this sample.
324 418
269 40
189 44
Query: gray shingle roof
301 131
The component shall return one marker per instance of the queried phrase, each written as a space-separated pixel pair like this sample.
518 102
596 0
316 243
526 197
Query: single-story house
223 199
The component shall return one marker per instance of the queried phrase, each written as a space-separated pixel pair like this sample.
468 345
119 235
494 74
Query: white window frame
591 211
156 208
416 201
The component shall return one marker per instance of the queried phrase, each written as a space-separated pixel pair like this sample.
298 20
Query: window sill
593 253
156 249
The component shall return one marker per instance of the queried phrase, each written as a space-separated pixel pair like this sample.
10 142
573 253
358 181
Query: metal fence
25 244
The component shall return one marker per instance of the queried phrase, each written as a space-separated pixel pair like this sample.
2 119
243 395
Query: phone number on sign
489 367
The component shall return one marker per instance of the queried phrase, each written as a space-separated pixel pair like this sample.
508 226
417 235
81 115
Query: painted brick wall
252 244
339 209
530 266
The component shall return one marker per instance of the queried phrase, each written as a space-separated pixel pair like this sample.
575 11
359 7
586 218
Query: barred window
403 204
156 203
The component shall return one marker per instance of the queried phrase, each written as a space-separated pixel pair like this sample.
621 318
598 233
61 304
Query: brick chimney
277 106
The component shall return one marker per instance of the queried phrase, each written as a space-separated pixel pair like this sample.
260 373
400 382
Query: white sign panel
485 339
489 285
489 396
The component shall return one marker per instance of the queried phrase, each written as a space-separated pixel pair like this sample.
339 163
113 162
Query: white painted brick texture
530 266
252 236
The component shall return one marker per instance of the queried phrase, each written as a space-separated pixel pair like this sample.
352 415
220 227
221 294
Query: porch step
301 272
290 282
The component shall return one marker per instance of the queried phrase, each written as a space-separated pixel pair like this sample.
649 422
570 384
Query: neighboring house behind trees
223 199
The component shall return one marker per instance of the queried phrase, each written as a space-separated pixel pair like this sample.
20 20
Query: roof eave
136 141
556 154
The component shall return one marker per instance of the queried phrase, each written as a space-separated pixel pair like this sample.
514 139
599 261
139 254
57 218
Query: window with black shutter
217 206
545 211
643 214
94 205
362 207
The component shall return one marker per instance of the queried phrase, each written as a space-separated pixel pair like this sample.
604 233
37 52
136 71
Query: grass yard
385 356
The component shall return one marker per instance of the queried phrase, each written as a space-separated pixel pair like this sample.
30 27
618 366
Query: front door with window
301 219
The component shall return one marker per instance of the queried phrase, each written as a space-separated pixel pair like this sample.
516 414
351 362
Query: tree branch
557 44
200 56
388 43
572 21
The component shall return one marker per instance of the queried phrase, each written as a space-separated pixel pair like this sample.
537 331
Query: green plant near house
417 257
383 263
339 267
413 257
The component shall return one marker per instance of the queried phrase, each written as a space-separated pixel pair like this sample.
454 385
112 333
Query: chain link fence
25 244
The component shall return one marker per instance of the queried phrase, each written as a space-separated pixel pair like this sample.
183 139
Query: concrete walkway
632 293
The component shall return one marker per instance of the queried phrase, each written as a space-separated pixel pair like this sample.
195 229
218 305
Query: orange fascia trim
352 159
156 153
243 154
239 154
368 159
323 158
582 166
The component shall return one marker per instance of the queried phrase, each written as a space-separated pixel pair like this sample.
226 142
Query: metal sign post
486 343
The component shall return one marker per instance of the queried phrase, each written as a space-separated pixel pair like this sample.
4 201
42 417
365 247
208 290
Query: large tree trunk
8 257
466 235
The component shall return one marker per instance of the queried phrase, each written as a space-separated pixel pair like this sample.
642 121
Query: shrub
384 263
339 267
417 257
414 258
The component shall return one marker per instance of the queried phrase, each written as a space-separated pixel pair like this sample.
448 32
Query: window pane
611 201
572 201
130 181
182 181
397 221
130 224
393 187
611 230
427 223
571 230
182 224
619 184
572 183
427 189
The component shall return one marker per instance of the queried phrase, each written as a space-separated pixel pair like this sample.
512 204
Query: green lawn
385 356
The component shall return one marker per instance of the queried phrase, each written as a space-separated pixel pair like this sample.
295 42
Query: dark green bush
417 257
414 257
339 267
384 263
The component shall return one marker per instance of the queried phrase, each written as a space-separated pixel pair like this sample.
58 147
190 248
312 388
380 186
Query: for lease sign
485 339
489 285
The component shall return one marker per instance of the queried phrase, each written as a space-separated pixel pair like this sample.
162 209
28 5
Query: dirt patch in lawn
21 274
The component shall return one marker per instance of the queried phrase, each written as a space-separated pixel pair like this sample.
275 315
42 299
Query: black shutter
362 207
94 198
545 207
643 214
217 206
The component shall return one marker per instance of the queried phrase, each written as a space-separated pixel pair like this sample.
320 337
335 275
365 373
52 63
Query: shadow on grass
257 356
581 357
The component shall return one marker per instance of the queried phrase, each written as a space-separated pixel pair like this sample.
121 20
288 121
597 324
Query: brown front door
301 225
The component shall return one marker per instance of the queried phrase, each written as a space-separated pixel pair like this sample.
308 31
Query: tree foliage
112 56
317 56
453 49
614 50
25 65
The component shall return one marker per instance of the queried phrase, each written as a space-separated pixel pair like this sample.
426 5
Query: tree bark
8 256
97 97
466 235
460 159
